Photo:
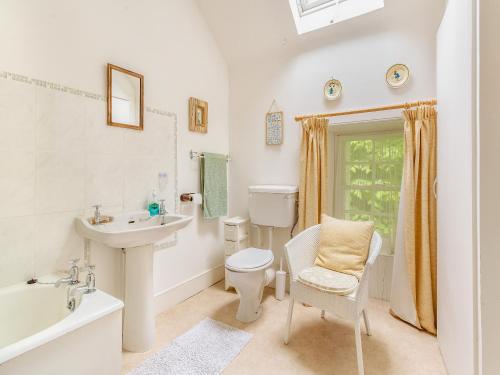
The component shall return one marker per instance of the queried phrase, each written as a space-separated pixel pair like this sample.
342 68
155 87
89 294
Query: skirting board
170 297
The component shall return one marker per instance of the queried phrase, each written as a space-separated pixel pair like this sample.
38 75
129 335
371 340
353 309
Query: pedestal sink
135 233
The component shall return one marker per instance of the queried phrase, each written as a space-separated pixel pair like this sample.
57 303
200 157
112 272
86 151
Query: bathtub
39 335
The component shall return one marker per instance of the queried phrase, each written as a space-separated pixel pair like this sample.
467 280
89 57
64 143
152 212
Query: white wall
489 178
359 59
69 43
456 190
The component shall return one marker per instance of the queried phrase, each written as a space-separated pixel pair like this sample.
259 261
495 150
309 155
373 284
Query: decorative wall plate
397 75
333 89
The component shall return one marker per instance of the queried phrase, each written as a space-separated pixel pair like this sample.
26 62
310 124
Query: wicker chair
300 254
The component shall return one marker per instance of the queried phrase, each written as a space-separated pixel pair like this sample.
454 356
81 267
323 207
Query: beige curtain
420 211
313 170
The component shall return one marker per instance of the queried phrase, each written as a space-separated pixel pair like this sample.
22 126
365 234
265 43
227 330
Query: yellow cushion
328 280
344 245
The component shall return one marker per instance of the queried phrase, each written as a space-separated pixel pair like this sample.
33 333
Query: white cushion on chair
328 280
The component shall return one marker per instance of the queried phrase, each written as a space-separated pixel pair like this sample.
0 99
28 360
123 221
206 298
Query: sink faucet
97 214
163 211
87 288
72 278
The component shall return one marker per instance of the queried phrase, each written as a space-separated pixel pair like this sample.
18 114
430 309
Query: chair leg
289 320
359 349
367 323
322 314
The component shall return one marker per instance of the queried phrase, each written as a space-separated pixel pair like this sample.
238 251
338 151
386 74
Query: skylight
311 15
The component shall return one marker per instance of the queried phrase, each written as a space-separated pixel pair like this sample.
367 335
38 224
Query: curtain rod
372 109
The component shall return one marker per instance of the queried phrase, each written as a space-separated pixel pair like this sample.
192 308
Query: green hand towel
213 181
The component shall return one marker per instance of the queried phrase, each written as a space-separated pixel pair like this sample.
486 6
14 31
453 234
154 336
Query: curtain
414 295
313 170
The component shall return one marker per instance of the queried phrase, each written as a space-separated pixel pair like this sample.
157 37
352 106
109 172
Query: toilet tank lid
274 189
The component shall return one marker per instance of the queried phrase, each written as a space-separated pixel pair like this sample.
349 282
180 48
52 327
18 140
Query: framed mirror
125 98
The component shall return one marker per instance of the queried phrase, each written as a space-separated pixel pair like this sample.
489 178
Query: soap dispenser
153 205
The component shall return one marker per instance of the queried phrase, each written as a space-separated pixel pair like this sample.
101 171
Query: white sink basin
131 229
135 233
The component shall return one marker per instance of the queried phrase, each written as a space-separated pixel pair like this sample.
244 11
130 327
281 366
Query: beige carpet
317 346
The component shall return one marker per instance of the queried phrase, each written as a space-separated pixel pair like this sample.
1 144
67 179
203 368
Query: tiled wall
57 158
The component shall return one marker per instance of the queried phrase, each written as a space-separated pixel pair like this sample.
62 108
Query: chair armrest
301 251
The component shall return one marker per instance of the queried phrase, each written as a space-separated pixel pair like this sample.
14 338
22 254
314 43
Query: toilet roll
197 198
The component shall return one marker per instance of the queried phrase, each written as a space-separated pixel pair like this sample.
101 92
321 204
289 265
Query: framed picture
274 128
198 115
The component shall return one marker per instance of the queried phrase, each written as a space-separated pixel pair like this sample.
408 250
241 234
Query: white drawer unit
235 237
235 229
235 232
231 247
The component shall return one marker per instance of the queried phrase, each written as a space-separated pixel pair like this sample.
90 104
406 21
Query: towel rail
201 155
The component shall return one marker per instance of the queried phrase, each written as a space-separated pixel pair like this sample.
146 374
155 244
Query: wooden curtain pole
366 110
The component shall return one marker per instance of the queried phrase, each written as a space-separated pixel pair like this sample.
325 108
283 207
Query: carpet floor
317 346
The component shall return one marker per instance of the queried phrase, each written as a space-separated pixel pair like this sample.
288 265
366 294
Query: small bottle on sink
153 205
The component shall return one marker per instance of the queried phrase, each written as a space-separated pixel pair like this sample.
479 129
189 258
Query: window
368 172
313 5
311 15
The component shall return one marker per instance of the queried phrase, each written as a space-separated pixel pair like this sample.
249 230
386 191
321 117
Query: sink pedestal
138 314
134 233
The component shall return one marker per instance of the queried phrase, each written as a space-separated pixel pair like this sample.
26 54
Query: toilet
251 269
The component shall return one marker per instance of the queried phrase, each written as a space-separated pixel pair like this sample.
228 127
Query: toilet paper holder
187 197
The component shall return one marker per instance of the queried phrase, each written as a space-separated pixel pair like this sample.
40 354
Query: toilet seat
249 260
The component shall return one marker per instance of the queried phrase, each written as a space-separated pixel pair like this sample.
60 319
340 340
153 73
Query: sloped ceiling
250 30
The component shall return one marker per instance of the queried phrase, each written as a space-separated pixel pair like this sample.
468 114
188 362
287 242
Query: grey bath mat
206 349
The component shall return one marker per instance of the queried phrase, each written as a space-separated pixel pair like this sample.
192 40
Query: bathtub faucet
72 278
78 290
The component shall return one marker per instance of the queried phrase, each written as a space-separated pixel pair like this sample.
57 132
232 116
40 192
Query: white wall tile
17 244
17 183
59 182
157 138
104 180
56 242
141 176
99 137
17 116
109 265
58 158
60 119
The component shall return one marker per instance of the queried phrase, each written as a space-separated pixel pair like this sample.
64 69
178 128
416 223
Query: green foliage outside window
372 172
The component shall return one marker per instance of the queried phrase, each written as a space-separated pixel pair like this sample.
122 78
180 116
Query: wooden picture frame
198 115
274 128
138 125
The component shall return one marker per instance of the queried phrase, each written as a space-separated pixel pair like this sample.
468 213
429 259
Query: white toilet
250 270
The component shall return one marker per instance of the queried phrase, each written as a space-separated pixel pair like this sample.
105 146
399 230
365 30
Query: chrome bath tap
72 278
78 290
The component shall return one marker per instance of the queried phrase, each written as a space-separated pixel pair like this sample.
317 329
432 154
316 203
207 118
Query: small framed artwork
274 128
198 115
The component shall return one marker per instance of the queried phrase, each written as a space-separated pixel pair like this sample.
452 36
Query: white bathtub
38 334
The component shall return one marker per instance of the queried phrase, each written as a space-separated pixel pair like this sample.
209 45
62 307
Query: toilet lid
249 258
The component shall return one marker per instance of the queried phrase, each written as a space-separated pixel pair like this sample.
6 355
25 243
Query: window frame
317 5
368 130
323 13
